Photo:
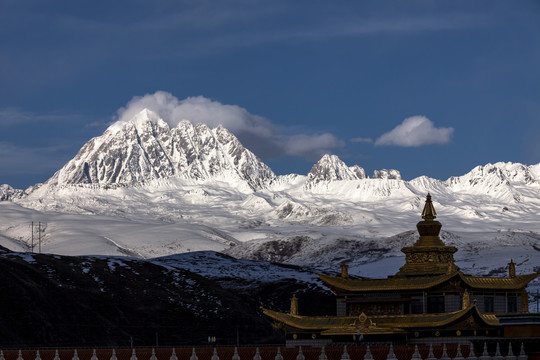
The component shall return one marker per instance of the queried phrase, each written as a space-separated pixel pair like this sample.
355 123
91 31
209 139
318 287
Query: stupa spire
429 212
429 254
429 228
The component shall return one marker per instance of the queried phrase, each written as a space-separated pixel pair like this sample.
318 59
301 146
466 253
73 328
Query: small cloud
416 131
362 140
197 110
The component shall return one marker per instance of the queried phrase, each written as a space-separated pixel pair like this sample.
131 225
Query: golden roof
379 324
425 282
510 283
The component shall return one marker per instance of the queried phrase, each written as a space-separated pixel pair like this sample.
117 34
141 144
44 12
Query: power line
40 230
39 236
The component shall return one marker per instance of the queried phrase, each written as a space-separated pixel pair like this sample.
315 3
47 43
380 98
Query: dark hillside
50 300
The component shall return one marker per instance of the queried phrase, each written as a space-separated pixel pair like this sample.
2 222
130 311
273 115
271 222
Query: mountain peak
146 148
331 167
9 193
140 120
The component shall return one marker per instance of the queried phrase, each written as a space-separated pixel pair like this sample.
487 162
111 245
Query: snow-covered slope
145 148
145 190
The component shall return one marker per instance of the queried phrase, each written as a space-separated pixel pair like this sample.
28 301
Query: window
417 306
511 305
435 304
489 304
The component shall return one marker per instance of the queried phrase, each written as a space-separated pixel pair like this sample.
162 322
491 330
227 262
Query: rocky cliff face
387 174
145 148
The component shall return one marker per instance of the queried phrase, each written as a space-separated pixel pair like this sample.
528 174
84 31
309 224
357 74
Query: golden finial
294 305
429 212
344 270
512 268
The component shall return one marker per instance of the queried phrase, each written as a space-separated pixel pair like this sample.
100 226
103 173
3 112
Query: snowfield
203 191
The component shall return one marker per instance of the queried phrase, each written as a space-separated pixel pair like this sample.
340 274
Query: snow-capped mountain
510 182
145 190
145 149
331 168
9 193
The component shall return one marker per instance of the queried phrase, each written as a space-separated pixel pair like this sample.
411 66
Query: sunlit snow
333 214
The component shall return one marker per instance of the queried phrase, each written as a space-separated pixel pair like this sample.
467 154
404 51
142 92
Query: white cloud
416 131
254 131
197 110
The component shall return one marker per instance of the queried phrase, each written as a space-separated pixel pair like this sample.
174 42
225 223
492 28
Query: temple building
428 298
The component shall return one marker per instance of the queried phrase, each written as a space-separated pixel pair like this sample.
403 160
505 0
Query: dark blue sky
313 70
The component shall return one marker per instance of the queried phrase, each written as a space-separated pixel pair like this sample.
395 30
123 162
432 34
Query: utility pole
32 243
39 237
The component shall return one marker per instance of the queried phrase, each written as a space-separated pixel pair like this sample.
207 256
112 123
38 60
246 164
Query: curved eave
381 322
511 283
390 284
424 283
446 319
309 322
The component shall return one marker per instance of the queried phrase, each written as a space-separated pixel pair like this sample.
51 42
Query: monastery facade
429 298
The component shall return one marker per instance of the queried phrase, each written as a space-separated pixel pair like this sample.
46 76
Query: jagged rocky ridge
332 168
145 148
8 193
